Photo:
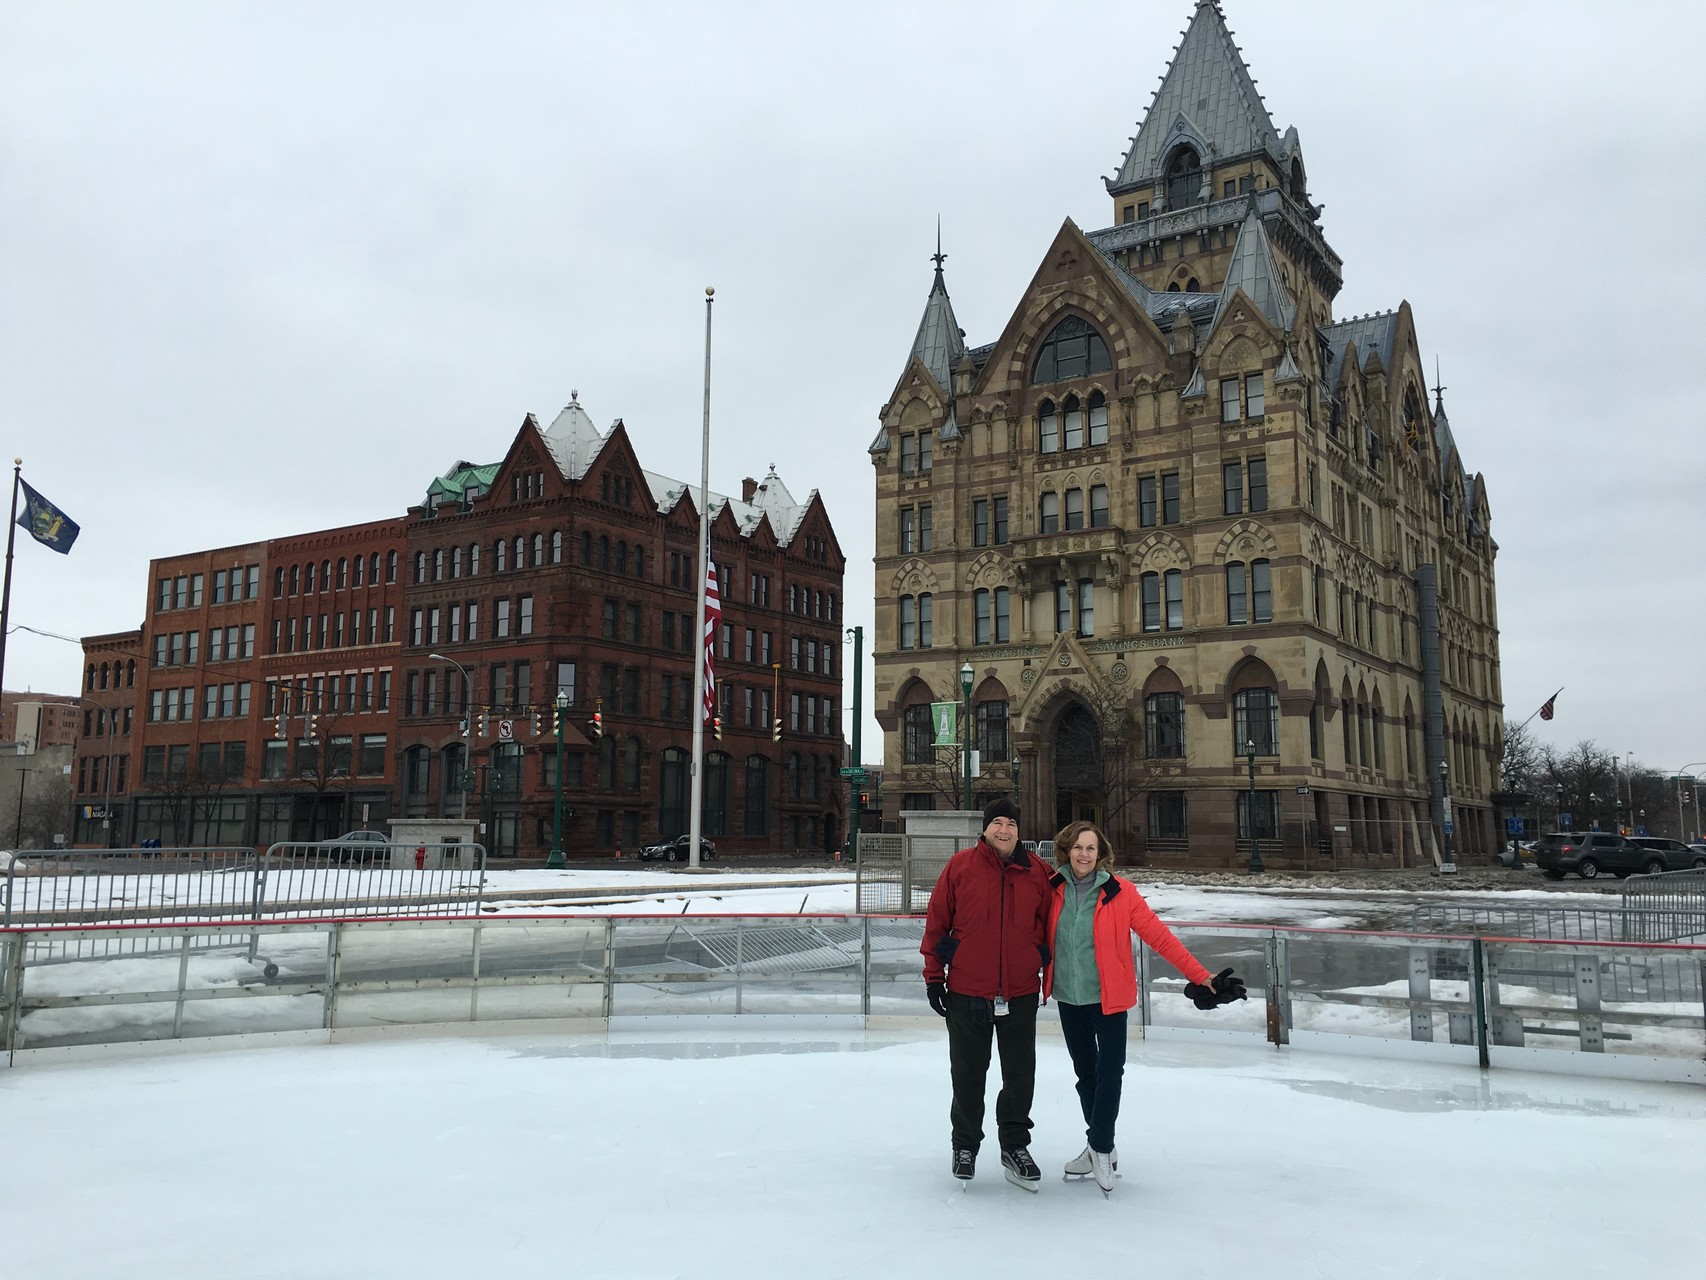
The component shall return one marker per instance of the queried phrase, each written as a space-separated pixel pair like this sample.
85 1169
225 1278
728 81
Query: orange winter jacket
1121 912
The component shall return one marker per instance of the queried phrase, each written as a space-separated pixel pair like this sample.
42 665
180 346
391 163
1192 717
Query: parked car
358 846
1675 855
1587 853
676 850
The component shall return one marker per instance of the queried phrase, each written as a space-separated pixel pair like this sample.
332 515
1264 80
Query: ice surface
818 1152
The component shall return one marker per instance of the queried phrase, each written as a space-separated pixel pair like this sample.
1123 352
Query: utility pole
855 770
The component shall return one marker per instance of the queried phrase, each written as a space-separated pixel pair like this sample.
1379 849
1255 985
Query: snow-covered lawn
815 1152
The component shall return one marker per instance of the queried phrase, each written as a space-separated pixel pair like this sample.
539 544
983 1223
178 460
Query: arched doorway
1079 785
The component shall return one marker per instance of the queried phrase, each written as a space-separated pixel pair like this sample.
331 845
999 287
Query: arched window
1261 592
1074 509
500 556
1184 178
631 764
343 572
390 566
604 553
1072 349
103 675
557 547
991 737
586 549
1048 513
520 552
90 683
622 555
1072 423
1099 506
473 559
130 675
1255 718
360 561
438 565
715 805
1098 418
639 562
1048 428
456 562
794 789
1237 595
757 796
918 733
538 550
1164 726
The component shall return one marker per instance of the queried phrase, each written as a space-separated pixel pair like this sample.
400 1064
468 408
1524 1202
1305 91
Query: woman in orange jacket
1093 977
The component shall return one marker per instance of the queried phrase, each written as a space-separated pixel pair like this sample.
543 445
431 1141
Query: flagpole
696 779
1538 710
6 591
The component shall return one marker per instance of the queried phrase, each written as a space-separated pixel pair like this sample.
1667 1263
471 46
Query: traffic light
557 722
864 799
283 725
776 729
535 718
597 721
308 726
485 723
717 727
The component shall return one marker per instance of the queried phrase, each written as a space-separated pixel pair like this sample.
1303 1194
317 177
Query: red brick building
199 718
102 781
50 719
568 567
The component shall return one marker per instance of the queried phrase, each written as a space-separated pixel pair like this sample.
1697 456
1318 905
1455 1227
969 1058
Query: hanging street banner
946 716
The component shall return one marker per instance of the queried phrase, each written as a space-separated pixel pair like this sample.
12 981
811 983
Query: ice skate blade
1024 1184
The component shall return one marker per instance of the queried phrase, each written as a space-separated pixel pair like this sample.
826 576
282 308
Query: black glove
1223 988
938 996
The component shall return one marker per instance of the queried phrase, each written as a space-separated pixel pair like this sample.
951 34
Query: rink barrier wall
1607 1008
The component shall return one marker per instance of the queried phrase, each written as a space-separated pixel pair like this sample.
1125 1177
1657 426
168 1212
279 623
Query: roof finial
574 396
1438 390
938 257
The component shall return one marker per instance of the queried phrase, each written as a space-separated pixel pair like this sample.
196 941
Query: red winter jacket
987 924
1121 912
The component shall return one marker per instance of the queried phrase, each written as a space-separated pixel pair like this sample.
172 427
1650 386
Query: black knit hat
1000 807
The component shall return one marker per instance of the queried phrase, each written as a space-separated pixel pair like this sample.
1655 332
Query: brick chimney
748 487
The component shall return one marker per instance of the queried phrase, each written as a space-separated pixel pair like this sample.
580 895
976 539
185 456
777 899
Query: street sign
506 730
946 718
1448 826
1303 791
1566 821
854 772
1513 826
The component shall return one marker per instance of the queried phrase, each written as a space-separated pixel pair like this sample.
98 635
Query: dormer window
1072 349
1184 178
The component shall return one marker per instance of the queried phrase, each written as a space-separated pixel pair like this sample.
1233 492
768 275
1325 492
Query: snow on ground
821 1153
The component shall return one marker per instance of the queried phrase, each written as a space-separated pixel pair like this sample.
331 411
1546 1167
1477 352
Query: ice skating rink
794 1149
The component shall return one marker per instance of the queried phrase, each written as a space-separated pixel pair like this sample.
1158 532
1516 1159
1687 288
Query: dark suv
1587 853
1665 854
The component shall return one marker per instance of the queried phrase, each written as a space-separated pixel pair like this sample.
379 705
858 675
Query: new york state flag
46 523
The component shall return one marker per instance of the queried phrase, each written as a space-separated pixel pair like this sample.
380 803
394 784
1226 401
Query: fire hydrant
420 857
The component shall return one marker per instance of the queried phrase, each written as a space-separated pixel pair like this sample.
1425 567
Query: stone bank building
1219 570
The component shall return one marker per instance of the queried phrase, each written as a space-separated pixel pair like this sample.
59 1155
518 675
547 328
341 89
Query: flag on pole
1550 706
46 523
713 620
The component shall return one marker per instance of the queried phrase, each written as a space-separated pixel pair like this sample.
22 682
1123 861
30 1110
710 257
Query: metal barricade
897 873
1672 902
300 880
1493 1000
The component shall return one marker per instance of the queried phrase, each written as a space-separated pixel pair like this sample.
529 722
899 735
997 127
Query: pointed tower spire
939 344
1254 270
1208 100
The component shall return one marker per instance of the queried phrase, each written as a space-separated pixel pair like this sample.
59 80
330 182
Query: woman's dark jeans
1096 1041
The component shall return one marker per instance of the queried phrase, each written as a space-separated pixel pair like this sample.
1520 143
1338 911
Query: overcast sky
271 267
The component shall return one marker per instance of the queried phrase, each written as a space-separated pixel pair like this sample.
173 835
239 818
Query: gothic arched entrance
1079 785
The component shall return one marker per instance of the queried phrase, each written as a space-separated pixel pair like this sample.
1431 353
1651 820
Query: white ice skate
1102 1166
1081 1165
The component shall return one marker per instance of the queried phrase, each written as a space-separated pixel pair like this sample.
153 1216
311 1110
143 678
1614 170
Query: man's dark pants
1096 1043
971 1024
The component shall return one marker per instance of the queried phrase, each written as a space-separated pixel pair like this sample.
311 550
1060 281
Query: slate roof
1206 91
574 443
1375 332
1161 307
1254 270
939 343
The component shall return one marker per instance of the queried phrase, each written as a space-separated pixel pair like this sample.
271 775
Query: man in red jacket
984 949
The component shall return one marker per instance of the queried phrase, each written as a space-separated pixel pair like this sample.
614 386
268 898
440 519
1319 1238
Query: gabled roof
1161 307
572 439
575 444
1207 92
939 344
1371 333
1254 270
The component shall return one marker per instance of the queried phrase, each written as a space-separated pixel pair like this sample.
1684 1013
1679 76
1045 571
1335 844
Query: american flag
713 619
1551 705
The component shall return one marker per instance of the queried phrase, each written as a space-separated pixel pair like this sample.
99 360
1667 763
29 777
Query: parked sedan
1668 855
357 846
676 850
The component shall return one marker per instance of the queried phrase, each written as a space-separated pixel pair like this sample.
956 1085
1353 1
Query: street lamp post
556 858
1255 840
467 727
965 732
1448 865
1593 809
1558 811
